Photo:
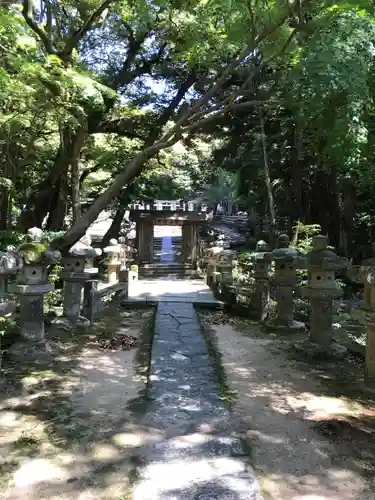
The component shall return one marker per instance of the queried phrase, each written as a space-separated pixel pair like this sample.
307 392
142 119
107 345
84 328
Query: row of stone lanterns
321 290
30 265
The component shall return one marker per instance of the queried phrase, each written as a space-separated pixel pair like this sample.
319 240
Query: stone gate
146 219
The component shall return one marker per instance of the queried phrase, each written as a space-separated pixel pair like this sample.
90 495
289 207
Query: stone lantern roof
321 254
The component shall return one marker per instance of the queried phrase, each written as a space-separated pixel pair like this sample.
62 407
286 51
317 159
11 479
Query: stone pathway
171 290
195 456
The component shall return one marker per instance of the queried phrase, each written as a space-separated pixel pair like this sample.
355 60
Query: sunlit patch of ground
69 420
309 425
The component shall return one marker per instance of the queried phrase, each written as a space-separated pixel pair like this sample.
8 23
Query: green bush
48 236
305 234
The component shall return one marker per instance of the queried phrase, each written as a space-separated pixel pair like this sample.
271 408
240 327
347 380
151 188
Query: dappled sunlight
37 471
310 432
68 430
104 452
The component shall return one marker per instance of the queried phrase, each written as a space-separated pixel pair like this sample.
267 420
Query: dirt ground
68 417
309 425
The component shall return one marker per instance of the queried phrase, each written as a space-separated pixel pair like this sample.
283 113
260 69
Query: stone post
122 275
365 274
32 285
189 243
321 290
224 277
262 264
287 261
113 261
145 235
75 274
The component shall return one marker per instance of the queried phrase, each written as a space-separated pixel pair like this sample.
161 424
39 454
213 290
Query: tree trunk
348 205
127 175
58 206
51 198
295 212
123 203
75 176
115 227
4 202
267 178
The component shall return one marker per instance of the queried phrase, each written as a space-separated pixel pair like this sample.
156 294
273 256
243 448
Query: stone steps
157 270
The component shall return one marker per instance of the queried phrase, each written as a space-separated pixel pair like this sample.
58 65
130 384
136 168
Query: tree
191 39
319 133
174 70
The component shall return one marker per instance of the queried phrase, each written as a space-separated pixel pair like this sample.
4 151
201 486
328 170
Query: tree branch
171 108
234 64
77 36
28 15
242 89
125 127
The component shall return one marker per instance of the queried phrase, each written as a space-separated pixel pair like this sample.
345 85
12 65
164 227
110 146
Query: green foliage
10 238
48 236
244 270
305 234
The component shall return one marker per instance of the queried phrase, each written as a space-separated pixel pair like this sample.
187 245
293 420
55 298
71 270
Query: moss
143 364
227 394
32 252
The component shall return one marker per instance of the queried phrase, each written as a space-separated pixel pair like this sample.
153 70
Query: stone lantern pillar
32 284
262 265
210 259
287 261
75 273
113 261
322 289
365 274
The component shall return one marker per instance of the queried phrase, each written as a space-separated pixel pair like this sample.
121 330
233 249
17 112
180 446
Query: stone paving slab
195 291
197 457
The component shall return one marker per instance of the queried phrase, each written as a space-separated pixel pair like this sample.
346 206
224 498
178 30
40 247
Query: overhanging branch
77 36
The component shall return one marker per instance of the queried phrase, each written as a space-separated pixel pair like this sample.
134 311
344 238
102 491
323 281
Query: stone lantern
222 278
322 289
365 274
113 261
287 261
211 258
225 264
75 274
31 284
262 259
